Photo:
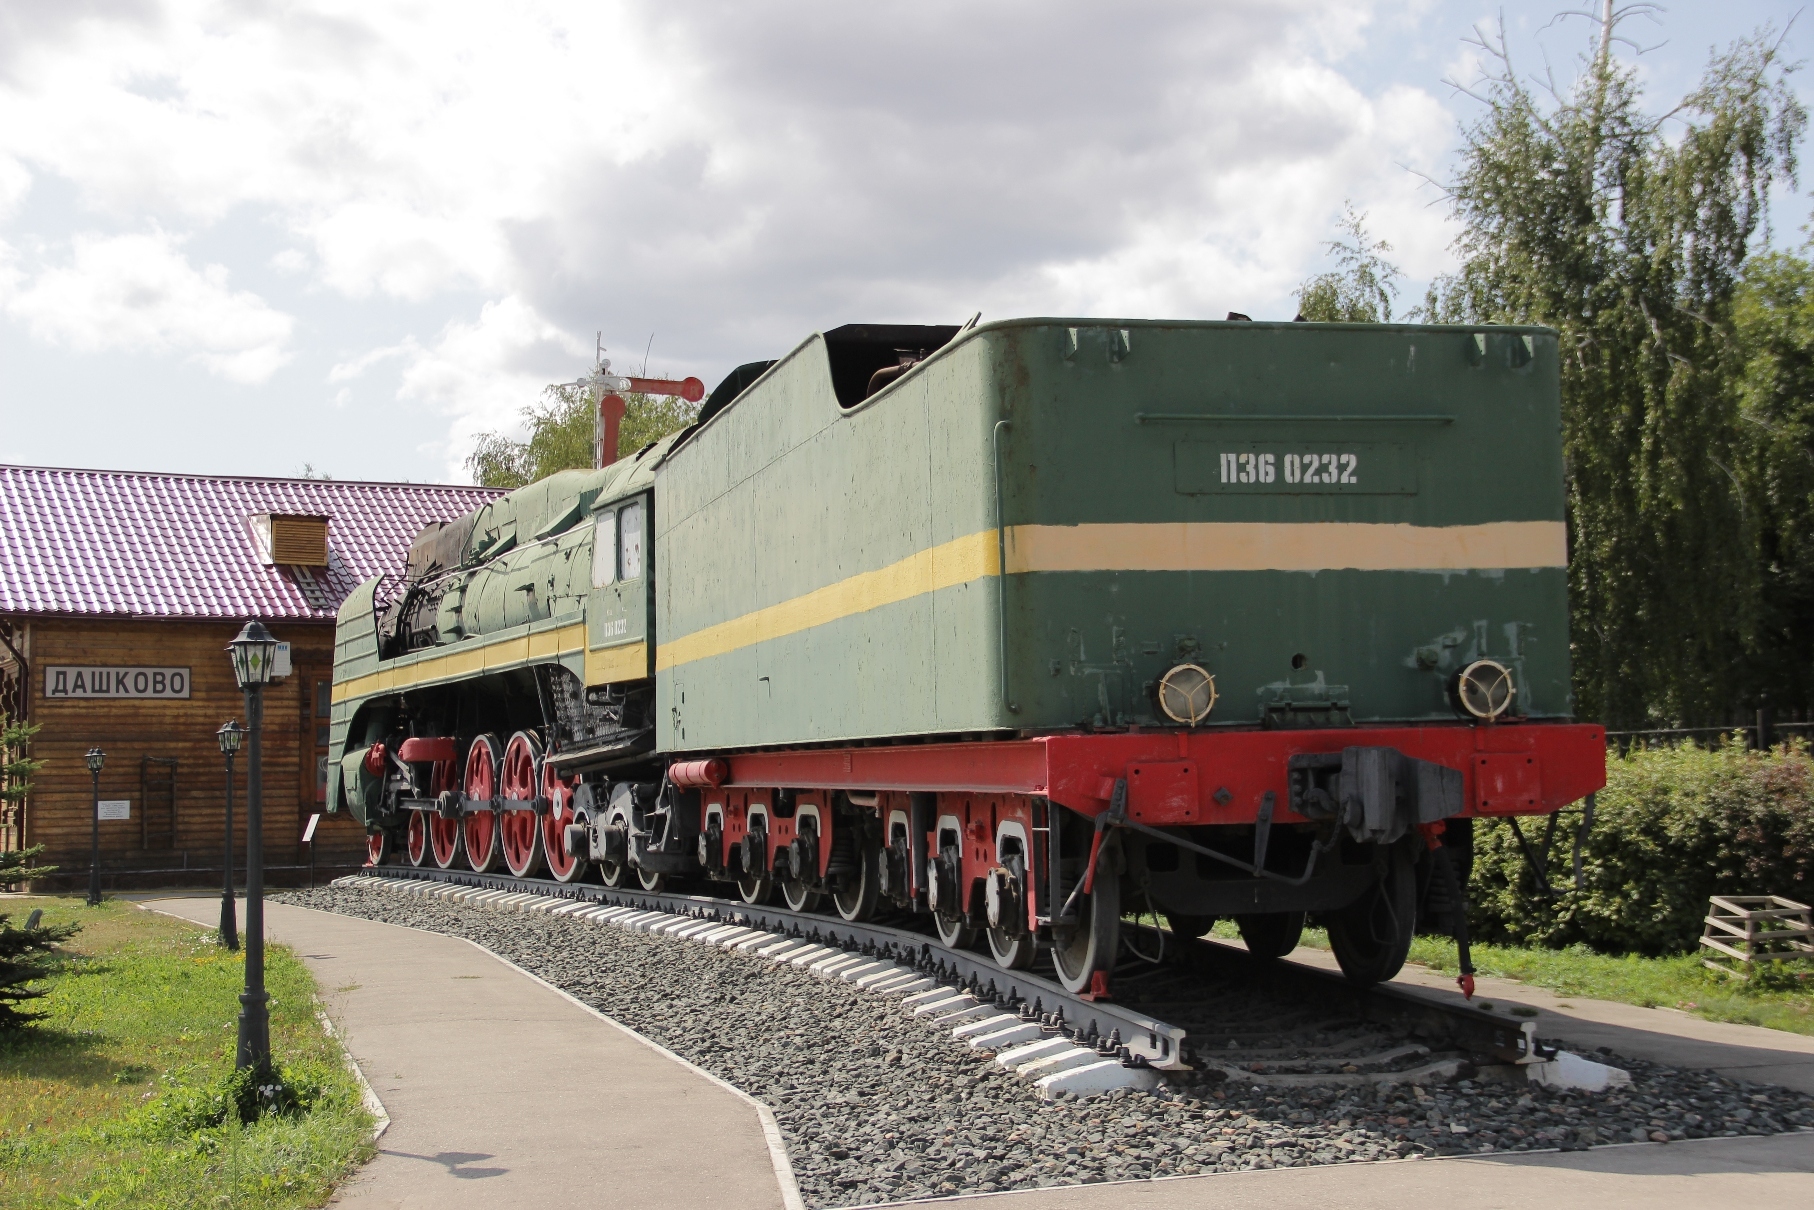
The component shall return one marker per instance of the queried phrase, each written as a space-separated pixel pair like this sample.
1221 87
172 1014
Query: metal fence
1764 732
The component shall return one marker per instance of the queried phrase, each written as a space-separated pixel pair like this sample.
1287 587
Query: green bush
1673 826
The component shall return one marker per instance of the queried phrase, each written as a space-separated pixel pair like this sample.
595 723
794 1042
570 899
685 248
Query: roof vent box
291 538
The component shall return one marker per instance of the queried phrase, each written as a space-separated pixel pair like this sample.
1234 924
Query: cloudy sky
246 237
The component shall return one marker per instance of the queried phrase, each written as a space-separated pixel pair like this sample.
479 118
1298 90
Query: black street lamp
254 651
230 736
95 759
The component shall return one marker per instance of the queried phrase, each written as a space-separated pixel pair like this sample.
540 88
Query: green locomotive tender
1017 626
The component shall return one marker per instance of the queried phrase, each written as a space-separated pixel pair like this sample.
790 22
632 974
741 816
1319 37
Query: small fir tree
25 952
15 768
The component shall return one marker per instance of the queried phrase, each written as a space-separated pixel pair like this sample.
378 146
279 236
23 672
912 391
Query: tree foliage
16 768
1362 286
1774 317
1629 232
562 428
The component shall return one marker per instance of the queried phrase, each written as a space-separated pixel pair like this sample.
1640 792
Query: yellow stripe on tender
1280 546
943 566
628 662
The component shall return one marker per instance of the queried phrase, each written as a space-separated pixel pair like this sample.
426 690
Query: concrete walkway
503 1092
1774 1173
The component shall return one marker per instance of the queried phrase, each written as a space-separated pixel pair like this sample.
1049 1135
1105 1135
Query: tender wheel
954 932
799 896
1091 946
651 881
1271 934
559 793
379 848
1189 928
415 840
856 902
521 830
1372 935
480 829
1012 952
756 888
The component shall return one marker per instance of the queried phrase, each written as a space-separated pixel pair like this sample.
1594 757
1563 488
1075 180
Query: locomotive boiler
1019 627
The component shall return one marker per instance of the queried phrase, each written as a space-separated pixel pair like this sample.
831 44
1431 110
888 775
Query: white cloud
483 373
726 175
139 293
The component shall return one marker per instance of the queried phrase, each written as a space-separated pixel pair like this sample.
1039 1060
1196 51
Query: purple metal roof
181 546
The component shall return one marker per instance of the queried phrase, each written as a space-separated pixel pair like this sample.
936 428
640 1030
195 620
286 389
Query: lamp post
95 759
253 652
230 736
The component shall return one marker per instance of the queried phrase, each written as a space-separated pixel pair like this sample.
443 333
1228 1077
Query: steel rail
1159 1043
1462 1026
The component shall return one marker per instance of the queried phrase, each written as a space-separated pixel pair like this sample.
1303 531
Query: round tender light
1187 694
1485 689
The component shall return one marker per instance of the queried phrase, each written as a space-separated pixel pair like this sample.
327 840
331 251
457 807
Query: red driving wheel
480 828
559 793
444 834
522 830
416 840
377 847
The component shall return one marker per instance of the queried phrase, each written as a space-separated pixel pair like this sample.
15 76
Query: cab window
604 549
629 532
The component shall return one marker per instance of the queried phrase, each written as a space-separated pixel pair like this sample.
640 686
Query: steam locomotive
1019 627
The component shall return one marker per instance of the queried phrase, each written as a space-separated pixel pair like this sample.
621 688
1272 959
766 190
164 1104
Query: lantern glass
253 652
94 759
231 736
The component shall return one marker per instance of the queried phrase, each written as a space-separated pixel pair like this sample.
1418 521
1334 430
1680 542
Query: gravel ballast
876 1105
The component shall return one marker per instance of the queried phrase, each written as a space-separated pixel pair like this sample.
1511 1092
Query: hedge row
1672 827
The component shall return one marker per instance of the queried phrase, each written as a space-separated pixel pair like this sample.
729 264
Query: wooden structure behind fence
1750 929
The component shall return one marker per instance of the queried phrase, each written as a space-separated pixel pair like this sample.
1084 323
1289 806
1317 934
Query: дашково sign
74 680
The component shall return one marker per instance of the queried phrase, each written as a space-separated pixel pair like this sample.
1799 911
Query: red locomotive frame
1174 778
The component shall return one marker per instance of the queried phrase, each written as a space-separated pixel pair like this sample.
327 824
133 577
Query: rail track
1203 1007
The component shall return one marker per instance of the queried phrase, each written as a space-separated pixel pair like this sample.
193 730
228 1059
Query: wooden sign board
76 680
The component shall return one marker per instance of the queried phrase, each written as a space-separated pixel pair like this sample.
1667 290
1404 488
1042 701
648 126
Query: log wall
58 813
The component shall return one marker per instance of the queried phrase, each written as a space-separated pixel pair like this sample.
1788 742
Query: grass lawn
103 1102
1680 981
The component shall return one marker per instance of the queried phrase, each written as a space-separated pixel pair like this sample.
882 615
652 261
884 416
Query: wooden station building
119 592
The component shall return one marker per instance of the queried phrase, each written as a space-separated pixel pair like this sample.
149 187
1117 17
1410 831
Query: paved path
577 1112
504 1093
1756 1173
